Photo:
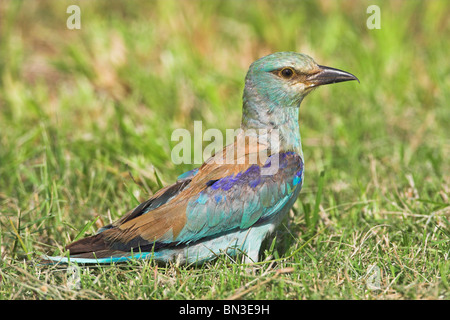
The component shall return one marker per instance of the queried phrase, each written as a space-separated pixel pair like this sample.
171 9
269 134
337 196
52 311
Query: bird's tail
83 259
93 250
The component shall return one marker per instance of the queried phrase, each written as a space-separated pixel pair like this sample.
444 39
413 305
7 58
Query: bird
236 198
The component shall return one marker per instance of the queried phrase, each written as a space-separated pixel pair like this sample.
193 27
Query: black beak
328 75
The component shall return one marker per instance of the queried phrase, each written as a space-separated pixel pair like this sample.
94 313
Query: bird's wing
163 196
217 199
238 201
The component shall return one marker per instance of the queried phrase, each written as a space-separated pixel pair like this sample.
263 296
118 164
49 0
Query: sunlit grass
86 118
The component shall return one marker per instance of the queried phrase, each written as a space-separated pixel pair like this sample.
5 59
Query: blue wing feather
188 175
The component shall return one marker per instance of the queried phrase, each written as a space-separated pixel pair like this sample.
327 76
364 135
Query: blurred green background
86 118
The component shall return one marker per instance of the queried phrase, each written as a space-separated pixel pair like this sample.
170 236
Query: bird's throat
283 120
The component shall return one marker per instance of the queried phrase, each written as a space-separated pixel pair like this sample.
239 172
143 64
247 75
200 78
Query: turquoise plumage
225 207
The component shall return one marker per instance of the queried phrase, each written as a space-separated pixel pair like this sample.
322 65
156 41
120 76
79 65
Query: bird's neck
260 115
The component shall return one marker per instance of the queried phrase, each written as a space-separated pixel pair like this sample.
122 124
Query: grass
86 118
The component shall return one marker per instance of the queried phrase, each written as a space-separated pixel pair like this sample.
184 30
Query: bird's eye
287 73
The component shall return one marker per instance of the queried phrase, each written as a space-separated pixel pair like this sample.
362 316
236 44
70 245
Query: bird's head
283 79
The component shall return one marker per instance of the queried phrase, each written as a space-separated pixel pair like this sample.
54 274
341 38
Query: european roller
230 203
